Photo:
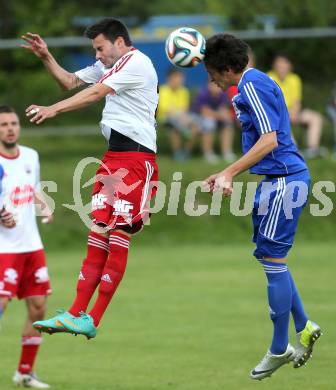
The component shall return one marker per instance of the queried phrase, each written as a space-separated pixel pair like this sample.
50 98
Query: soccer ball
185 47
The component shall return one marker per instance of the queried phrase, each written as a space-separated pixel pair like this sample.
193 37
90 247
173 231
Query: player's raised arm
39 114
38 46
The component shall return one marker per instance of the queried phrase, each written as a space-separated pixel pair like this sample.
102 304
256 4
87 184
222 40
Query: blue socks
298 313
283 298
280 301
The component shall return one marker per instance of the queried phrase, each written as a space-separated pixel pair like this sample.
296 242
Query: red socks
30 346
112 274
91 272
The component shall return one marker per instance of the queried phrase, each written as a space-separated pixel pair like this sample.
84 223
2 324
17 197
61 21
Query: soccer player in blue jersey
268 150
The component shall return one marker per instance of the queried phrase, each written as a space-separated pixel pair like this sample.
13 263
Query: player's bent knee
130 230
126 232
101 229
4 301
37 307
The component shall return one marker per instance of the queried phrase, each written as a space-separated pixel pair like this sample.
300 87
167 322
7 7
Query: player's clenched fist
36 44
7 219
38 114
221 181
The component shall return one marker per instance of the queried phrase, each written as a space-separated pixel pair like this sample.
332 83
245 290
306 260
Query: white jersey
1 196
130 108
21 180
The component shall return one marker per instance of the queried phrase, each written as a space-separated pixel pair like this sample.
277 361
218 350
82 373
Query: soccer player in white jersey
23 270
127 79
1 177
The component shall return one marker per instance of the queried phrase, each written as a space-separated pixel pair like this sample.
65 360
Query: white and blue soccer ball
185 47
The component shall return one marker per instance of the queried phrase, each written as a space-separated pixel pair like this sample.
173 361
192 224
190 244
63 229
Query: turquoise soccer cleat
54 324
80 325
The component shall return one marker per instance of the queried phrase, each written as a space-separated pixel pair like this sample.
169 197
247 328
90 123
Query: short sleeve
126 74
184 100
91 74
224 99
200 101
263 106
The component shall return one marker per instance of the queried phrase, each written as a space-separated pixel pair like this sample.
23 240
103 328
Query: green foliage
51 17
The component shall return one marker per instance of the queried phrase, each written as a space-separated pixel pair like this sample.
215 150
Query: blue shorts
278 204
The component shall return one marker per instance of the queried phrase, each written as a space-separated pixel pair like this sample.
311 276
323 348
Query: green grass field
191 313
185 317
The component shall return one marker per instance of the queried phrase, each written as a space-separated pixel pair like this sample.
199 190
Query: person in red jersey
128 81
23 269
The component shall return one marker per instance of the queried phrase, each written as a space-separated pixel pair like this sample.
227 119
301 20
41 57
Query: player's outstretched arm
39 114
222 181
38 46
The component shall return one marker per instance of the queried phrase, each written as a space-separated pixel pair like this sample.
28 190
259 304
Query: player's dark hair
224 52
111 28
7 110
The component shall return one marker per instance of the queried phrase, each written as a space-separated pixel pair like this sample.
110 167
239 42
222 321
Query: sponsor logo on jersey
41 275
81 276
28 169
22 195
122 207
11 276
98 202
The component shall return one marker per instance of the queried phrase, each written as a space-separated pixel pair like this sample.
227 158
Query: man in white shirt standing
1 177
23 270
128 81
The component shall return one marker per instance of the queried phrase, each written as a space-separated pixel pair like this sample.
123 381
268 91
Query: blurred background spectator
291 85
211 109
173 112
331 111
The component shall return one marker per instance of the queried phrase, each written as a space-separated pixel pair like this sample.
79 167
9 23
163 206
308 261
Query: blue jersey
260 107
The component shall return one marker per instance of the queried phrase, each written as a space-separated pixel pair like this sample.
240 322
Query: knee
37 309
316 118
3 304
102 230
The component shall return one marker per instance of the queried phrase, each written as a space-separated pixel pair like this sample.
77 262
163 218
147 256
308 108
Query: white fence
290 33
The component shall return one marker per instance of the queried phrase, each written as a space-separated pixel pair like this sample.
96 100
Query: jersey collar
243 74
10 157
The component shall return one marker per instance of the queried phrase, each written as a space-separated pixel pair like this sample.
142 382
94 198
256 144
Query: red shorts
125 183
24 275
